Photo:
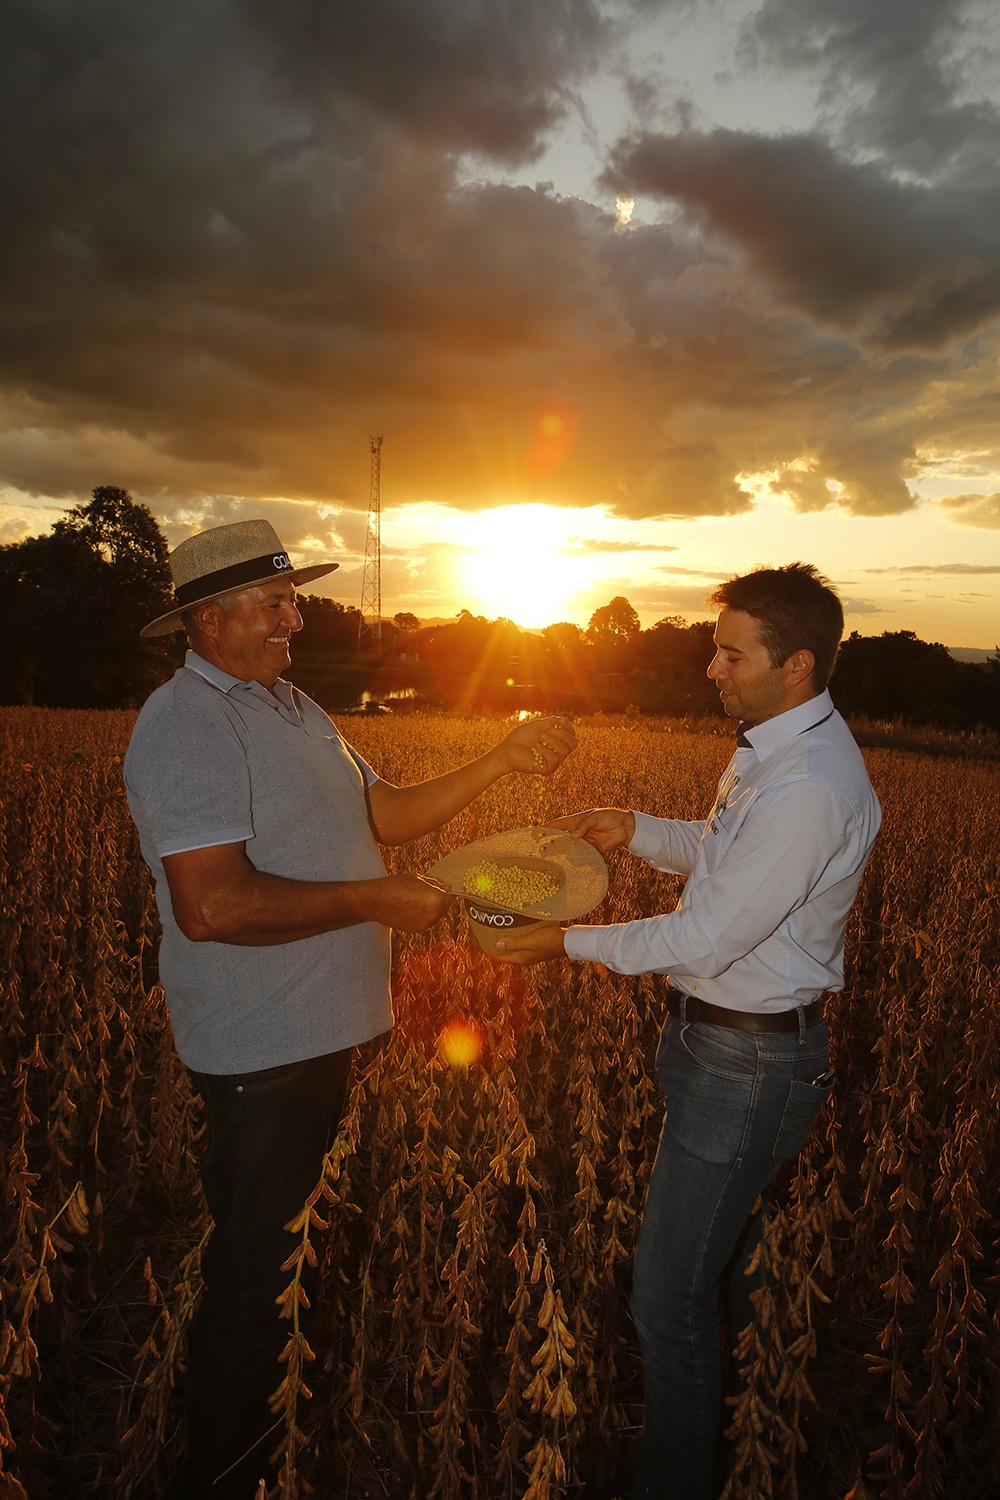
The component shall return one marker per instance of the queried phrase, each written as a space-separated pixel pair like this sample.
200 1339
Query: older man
261 826
754 945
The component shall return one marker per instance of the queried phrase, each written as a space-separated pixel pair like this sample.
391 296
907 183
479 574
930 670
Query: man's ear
206 618
799 667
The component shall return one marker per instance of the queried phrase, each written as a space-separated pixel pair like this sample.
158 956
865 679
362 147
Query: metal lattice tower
370 625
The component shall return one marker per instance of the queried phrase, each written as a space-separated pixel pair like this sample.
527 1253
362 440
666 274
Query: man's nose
715 667
292 617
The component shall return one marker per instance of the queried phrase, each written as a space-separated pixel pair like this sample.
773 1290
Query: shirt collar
765 738
227 683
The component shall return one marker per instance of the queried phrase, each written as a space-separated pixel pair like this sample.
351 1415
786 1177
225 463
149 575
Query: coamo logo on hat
223 559
577 883
493 918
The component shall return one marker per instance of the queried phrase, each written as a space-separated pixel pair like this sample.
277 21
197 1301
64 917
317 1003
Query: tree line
73 602
613 663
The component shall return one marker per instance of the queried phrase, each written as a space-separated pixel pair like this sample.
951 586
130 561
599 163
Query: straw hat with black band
224 560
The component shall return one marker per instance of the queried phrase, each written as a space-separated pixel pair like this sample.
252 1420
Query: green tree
614 624
329 626
613 632
72 604
897 675
676 656
564 636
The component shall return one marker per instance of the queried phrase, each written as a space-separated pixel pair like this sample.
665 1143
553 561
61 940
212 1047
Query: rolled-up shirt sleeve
797 835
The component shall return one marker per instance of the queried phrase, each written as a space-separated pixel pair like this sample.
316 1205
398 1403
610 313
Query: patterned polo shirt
216 760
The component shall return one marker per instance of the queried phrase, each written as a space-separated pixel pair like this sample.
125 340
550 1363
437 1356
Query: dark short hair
796 609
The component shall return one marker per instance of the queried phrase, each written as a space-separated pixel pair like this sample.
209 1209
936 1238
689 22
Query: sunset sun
518 564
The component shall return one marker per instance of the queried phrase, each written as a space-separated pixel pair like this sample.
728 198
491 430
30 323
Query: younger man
752 950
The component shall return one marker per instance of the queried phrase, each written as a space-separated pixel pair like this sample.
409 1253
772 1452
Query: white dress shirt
771 873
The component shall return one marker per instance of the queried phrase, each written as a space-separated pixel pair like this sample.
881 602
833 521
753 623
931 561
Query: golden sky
641 293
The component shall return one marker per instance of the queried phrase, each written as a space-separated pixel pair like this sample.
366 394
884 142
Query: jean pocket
269 1080
801 1108
721 1050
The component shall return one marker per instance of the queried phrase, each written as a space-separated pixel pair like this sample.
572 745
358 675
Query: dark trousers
265 1137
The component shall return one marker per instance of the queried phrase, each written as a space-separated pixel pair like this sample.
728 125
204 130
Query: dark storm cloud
844 242
842 277
238 236
897 78
729 383
239 232
899 83
475 76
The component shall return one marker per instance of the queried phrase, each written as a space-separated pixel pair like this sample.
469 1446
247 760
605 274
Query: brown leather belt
744 1020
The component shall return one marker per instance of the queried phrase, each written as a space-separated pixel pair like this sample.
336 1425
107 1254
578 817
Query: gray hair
225 601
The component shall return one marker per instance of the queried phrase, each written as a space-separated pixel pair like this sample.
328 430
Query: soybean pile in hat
522 878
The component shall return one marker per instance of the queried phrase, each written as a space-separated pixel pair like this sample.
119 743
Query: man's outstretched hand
538 745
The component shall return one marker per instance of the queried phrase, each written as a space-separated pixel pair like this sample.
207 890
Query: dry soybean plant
476 1216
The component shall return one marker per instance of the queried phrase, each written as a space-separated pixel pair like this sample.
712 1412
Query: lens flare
556 429
461 1042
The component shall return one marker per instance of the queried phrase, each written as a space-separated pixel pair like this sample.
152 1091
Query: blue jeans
265 1137
739 1103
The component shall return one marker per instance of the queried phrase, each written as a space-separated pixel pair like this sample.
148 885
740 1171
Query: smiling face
250 639
750 685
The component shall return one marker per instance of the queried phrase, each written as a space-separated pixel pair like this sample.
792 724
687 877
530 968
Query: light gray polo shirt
215 760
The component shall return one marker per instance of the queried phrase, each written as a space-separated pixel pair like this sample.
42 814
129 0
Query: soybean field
477 1214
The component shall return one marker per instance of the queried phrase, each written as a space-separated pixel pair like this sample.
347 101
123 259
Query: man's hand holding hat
532 945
